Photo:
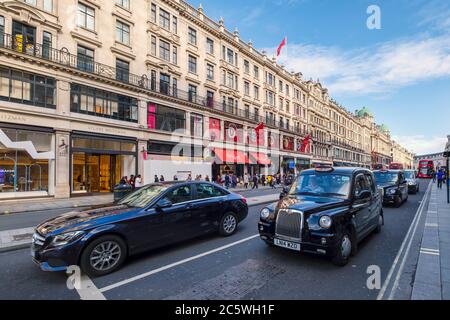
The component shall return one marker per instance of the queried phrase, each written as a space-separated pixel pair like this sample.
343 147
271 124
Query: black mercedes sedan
101 238
327 211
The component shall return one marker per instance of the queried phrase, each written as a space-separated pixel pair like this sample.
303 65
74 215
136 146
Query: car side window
360 184
205 191
179 195
371 184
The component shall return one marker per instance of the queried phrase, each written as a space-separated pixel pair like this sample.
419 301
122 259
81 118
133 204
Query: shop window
196 125
165 118
102 103
27 88
25 170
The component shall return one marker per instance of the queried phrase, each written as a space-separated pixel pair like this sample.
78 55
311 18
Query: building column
142 113
142 148
62 186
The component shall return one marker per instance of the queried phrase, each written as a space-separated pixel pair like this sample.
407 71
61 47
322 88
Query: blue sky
401 72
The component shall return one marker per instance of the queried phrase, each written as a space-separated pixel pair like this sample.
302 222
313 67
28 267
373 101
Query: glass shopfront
99 163
26 162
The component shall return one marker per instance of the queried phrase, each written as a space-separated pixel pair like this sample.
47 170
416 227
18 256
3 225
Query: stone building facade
94 90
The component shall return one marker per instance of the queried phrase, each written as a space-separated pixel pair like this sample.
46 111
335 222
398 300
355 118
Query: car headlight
265 213
65 238
392 191
325 222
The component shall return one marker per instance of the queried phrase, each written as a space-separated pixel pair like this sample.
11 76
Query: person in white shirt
138 182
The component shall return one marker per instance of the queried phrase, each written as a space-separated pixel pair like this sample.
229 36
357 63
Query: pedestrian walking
138 182
175 178
189 178
227 181
433 174
156 179
255 182
132 182
440 179
161 178
207 179
246 180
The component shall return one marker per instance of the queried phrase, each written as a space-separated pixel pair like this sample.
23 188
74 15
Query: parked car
394 185
327 211
101 238
413 183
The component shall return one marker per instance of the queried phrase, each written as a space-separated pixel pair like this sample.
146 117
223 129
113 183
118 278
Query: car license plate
287 244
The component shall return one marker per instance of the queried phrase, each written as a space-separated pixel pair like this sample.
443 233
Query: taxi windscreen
332 185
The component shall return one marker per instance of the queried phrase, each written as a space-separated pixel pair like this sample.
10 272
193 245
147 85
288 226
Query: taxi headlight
265 213
325 222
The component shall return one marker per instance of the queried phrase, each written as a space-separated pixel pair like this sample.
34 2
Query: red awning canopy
231 156
261 158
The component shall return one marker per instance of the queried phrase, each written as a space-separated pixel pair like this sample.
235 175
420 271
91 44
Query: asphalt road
245 270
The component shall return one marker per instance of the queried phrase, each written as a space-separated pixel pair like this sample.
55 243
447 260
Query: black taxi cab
394 185
327 211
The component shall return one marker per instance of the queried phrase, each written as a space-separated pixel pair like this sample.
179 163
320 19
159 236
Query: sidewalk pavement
21 238
432 278
42 204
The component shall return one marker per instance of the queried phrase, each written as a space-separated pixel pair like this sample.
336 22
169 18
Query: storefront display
26 162
98 163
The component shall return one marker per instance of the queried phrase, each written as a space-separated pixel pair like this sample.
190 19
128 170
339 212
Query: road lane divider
403 252
175 264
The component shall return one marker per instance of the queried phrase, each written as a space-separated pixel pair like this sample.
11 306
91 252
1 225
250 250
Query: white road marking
412 227
88 290
169 266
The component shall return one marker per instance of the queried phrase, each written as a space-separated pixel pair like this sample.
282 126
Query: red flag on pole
282 44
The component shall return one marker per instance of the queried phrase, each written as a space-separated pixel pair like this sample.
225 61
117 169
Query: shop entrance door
93 173
100 173
105 173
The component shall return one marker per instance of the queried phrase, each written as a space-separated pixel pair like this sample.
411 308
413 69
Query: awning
231 156
261 158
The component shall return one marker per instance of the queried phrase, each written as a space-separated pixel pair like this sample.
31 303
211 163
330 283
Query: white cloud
420 144
381 68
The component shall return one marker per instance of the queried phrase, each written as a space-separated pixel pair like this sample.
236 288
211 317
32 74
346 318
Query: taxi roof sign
324 168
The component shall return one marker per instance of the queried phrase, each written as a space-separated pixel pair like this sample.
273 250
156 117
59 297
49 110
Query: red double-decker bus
425 169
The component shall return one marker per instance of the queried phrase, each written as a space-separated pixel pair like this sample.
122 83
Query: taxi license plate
287 244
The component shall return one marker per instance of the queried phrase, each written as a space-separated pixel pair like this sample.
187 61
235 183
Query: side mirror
163 204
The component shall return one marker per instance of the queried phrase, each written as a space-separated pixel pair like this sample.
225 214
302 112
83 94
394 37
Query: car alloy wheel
228 224
105 256
343 251
346 246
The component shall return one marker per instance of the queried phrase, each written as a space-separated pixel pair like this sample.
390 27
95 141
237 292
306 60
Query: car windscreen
320 184
385 178
410 175
142 197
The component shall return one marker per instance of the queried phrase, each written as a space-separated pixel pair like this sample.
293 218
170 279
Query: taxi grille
289 224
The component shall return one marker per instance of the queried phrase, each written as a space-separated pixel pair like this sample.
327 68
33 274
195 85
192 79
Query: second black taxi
327 211
394 185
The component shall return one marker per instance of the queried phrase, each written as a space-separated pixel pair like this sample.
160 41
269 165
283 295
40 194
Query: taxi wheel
380 223
344 250
398 201
104 255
